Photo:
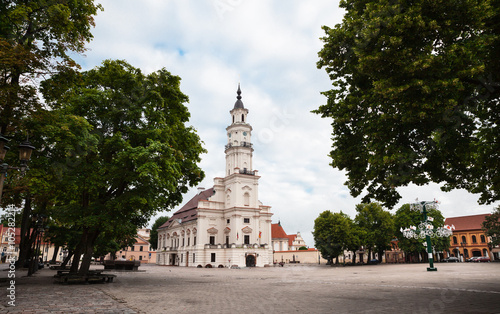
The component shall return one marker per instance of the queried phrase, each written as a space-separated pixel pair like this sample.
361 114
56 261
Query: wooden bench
93 276
122 265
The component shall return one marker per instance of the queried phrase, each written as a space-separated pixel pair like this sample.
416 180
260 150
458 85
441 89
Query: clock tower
239 145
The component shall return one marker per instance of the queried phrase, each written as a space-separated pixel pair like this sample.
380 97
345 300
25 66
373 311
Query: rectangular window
140 258
212 240
188 241
227 240
194 259
140 248
246 220
182 241
247 239
229 220
132 248
212 258
194 240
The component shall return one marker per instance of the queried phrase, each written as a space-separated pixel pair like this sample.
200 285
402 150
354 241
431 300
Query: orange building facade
468 238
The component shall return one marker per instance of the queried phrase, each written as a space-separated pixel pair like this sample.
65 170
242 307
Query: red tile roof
277 232
188 212
291 237
473 222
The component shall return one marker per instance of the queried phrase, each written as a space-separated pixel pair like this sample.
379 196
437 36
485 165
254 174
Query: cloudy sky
270 47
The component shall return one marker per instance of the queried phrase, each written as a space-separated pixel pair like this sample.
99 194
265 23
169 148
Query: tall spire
238 104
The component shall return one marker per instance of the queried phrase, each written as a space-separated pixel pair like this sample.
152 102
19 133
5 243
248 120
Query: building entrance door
250 260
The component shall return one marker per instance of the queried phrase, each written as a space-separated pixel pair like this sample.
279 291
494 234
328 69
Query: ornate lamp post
25 150
425 229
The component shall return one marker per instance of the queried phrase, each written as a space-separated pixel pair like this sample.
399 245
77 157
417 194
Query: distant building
469 239
286 248
225 225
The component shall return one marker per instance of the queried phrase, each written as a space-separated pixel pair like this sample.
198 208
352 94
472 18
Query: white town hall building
225 225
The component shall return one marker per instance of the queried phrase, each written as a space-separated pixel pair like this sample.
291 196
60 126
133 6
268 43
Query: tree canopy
133 157
36 38
415 96
377 226
332 233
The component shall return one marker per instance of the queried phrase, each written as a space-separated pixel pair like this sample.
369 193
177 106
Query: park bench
93 276
122 265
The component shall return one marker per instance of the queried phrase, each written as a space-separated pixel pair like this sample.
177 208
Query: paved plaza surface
399 288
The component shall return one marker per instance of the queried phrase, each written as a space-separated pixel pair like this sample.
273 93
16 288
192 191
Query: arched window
474 239
464 240
455 240
483 239
246 199
242 118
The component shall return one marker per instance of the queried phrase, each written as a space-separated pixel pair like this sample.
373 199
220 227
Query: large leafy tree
377 225
36 38
416 95
138 158
332 234
405 217
153 236
491 226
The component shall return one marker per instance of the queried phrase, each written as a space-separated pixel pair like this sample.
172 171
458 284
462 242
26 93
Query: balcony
242 144
246 171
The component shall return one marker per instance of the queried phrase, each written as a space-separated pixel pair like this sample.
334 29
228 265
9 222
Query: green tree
356 240
377 225
139 157
416 96
404 218
153 236
491 226
36 38
331 234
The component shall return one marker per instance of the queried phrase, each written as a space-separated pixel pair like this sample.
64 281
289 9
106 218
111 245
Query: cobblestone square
400 288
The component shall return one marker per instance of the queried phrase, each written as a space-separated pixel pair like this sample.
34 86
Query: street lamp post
425 229
25 150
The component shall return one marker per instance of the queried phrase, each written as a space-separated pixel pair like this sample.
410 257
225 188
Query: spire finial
239 103
238 92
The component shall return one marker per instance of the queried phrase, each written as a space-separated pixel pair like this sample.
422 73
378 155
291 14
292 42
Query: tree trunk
369 255
77 255
27 237
54 256
380 253
66 260
88 252
354 258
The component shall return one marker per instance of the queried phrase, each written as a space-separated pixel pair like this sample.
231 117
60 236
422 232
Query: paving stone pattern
408 288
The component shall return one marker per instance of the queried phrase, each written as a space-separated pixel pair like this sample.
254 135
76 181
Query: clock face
244 133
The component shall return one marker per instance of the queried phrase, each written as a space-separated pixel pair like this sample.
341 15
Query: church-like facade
226 225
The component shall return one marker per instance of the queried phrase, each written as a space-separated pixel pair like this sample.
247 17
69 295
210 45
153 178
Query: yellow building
468 238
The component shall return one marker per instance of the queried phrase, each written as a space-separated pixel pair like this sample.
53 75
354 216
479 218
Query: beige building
225 225
286 248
